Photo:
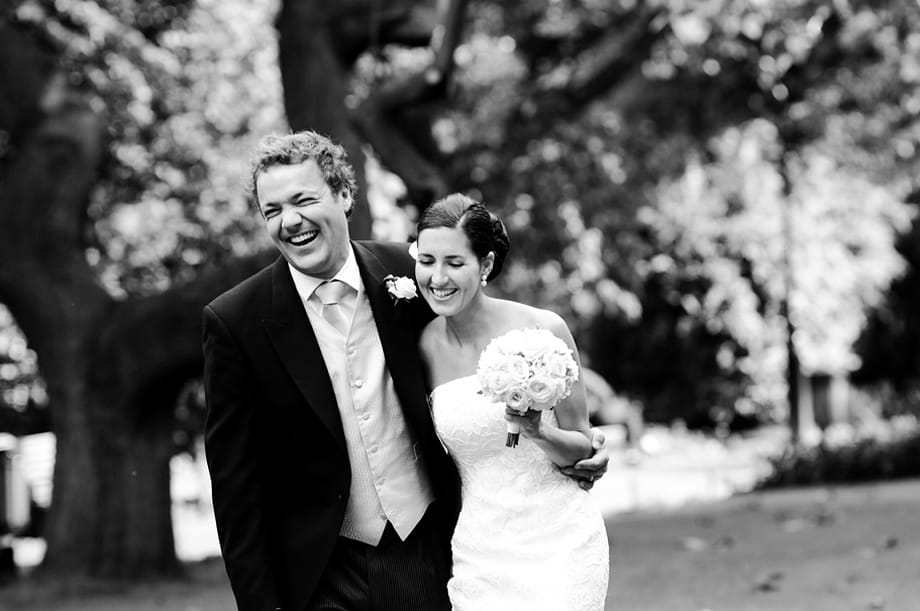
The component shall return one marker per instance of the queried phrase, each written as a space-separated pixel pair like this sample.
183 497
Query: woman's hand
529 421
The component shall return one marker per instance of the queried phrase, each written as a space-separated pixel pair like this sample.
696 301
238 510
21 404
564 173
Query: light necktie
331 294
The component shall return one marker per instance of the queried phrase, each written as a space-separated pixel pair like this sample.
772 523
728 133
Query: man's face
304 218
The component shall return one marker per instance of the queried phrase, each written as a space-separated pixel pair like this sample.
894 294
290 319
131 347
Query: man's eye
270 212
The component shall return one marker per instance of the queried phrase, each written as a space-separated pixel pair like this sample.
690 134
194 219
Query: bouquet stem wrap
514 435
526 369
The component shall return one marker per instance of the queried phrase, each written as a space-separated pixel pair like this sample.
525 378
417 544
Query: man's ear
347 200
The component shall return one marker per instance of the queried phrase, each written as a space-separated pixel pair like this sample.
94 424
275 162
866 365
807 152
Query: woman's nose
438 276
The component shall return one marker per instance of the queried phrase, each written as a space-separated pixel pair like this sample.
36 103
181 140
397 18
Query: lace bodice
528 537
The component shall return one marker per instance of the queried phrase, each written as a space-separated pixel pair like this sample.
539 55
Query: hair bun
485 231
500 245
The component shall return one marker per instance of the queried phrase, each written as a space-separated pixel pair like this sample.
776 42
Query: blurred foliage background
720 196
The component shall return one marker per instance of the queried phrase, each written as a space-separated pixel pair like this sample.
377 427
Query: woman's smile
448 270
442 294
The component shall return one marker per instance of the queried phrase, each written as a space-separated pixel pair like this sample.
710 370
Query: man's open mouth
303 238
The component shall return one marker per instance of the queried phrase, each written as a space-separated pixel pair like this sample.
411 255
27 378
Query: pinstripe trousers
395 575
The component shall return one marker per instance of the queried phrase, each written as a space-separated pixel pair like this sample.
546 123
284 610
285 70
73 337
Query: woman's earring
483 282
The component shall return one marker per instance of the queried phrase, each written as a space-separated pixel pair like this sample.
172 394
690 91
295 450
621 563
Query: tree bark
314 83
609 62
379 116
47 285
113 370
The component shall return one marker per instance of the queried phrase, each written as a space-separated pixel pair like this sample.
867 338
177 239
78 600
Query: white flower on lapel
400 287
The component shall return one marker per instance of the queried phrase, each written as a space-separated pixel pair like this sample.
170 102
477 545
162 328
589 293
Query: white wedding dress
528 538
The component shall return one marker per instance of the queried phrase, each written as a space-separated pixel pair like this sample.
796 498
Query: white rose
404 288
518 368
517 399
498 381
553 365
543 391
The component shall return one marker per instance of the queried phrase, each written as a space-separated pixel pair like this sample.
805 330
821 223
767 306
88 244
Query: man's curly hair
291 149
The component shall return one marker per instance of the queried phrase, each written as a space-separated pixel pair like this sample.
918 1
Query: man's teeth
302 238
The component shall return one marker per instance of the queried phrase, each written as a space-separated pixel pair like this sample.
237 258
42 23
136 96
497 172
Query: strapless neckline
450 382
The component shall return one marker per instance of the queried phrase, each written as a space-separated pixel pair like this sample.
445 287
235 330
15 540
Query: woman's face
447 270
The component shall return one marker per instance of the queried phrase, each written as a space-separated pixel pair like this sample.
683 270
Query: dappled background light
719 197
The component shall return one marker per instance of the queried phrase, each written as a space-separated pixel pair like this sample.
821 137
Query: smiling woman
461 246
448 271
508 494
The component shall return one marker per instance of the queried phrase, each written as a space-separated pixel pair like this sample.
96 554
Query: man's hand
589 470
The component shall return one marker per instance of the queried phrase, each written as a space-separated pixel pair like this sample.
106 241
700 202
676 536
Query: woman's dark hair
484 230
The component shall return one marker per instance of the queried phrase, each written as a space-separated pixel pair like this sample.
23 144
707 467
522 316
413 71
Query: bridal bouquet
526 369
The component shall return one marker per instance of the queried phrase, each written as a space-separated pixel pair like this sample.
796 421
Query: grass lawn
814 549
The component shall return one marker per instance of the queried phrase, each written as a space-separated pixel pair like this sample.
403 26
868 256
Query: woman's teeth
442 293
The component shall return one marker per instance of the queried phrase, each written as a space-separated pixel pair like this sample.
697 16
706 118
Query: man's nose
291 218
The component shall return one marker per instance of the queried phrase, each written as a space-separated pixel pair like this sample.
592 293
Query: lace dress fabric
528 537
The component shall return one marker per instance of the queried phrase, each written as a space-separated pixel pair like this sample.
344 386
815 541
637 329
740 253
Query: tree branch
599 68
377 116
314 83
151 339
409 24
43 198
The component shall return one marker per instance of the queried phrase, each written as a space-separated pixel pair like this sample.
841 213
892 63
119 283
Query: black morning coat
273 438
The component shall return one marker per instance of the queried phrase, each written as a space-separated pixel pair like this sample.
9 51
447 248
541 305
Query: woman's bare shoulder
521 315
430 335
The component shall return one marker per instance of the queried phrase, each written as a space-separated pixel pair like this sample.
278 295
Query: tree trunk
135 521
70 527
315 68
315 89
110 515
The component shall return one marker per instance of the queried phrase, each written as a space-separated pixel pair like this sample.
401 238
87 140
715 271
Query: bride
528 537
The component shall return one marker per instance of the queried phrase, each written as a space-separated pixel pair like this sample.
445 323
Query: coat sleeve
234 441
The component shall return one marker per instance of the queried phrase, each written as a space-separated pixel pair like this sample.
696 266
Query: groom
330 487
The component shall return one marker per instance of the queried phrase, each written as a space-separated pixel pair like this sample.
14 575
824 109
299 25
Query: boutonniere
400 287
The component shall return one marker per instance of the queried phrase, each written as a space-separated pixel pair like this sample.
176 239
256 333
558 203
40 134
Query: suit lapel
290 332
399 341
